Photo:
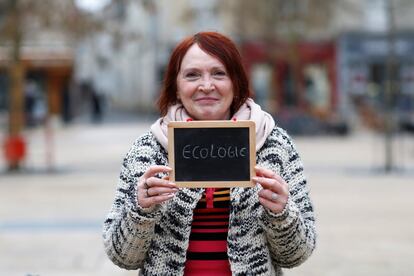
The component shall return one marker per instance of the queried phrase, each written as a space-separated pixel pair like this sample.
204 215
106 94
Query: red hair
218 46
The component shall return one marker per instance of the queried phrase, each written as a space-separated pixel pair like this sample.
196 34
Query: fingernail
255 178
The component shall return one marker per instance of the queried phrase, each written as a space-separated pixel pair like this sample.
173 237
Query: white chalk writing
213 151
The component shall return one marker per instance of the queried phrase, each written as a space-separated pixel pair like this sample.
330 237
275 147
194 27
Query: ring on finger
146 184
274 196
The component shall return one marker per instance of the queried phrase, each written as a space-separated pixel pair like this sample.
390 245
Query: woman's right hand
153 190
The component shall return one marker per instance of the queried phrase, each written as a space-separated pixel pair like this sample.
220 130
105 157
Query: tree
22 21
280 19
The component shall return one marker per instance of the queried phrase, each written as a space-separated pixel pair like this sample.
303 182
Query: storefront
47 77
363 72
295 82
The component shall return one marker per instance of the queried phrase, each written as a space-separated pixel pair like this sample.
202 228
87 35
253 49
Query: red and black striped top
207 250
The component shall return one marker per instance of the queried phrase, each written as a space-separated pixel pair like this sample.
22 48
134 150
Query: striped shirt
207 250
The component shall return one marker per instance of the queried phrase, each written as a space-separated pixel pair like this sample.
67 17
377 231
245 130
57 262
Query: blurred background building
313 64
37 40
317 65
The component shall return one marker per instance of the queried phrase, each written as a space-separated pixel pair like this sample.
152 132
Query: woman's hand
152 190
275 192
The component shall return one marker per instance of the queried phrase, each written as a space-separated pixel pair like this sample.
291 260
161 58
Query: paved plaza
51 214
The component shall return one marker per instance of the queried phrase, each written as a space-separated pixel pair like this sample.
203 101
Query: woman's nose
206 85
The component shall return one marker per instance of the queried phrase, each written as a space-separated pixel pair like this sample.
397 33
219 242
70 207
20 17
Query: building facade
297 52
126 61
46 59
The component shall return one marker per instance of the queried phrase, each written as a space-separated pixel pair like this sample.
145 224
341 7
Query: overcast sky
91 5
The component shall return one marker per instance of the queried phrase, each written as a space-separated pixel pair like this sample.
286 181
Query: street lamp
389 87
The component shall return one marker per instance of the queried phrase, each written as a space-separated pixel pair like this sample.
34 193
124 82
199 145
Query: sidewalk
364 216
50 223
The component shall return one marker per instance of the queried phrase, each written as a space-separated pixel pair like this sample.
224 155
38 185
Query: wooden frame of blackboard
250 125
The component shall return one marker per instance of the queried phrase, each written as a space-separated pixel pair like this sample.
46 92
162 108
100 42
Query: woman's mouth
206 100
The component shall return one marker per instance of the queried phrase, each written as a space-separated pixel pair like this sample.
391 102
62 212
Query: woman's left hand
275 192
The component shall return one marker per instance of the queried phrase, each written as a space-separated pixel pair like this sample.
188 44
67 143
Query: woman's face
204 86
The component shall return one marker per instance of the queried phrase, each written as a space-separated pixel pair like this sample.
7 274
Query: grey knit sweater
259 242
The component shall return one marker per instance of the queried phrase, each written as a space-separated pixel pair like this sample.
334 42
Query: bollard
15 151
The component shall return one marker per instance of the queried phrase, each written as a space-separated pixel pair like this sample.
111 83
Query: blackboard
212 153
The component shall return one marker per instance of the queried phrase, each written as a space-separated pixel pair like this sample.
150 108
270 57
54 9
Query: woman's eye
219 73
191 75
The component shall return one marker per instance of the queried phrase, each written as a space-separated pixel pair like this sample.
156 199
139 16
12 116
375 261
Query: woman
165 230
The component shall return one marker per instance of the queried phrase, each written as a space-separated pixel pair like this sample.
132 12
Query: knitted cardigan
155 240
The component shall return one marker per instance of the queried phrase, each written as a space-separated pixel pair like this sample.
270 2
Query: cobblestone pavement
51 214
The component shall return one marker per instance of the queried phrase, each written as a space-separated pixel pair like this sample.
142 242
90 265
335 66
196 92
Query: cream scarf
248 111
